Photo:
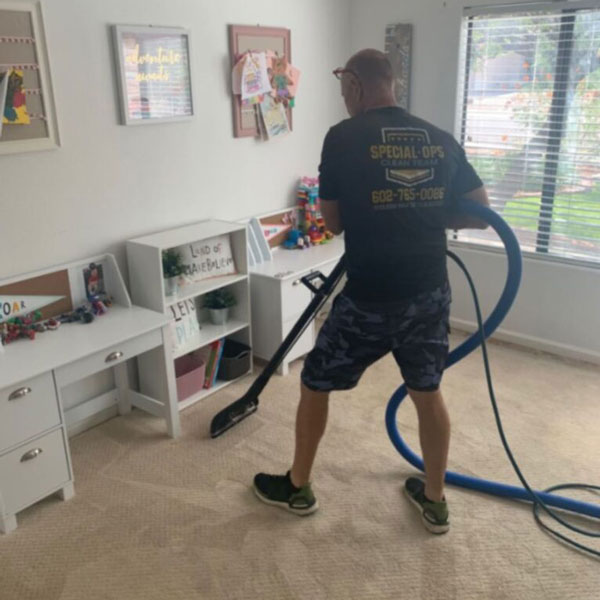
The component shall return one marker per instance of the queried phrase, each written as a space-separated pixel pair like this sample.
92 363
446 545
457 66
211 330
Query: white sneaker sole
302 512
431 527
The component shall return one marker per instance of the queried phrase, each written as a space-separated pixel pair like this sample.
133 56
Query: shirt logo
407 155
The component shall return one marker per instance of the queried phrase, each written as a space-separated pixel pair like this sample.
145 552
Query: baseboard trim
529 341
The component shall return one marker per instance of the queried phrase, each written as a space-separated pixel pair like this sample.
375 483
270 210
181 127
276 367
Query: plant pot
170 286
218 316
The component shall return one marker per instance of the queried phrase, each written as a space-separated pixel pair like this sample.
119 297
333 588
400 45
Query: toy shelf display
212 257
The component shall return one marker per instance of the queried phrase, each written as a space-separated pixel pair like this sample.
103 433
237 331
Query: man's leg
311 420
434 435
292 491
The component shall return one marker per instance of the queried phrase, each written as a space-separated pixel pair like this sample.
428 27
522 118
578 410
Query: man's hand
331 215
459 221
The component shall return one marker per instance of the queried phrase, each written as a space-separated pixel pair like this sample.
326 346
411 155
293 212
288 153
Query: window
531 124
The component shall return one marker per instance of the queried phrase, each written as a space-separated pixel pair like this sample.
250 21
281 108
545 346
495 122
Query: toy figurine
292 239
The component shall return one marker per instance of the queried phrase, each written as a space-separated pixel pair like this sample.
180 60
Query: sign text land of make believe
207 259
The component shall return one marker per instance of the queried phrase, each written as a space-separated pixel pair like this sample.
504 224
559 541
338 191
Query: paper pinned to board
274 118
3 90
15 105
255 77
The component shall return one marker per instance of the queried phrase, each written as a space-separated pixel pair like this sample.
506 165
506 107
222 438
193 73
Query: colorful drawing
15 108
274 118
255 79
280 80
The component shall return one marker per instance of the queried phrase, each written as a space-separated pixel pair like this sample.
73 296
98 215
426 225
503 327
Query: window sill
536 256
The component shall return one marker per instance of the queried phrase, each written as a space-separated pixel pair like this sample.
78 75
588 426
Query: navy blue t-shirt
397 179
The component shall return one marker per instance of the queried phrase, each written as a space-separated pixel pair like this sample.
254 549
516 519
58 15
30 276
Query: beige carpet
160 519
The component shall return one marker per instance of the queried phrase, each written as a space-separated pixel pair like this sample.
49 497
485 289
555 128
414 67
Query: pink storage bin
189 375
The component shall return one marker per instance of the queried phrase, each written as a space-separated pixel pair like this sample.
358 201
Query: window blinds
530 125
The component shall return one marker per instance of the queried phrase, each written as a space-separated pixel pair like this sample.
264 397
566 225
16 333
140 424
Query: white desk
34 450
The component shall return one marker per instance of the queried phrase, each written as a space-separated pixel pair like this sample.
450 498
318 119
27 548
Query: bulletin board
29 119
50 294
242 39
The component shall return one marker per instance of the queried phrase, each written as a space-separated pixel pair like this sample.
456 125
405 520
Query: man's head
367 82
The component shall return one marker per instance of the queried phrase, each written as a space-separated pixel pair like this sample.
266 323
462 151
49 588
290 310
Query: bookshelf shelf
198 289
209 333
219 385
144 256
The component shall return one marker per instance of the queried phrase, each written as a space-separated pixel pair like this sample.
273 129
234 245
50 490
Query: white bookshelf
144 256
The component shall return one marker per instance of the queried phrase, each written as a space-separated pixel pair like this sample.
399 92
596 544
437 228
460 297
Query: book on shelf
214 357
218 361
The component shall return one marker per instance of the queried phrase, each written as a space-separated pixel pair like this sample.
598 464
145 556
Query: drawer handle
113 356
31 454
20 393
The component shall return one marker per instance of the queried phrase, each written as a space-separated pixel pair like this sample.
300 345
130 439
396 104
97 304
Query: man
391 182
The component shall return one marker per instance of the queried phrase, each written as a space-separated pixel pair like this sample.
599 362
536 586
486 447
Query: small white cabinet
279 297
144 256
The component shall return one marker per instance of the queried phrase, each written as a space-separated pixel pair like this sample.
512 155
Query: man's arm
460 221
331 214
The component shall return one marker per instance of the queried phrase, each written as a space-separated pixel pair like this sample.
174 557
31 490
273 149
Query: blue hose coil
504 304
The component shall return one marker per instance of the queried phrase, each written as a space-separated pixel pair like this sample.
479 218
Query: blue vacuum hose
511 287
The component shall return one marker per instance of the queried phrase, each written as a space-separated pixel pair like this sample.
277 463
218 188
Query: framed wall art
398 47
27 109
154 74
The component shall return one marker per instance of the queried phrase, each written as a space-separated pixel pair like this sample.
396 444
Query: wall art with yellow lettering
154 74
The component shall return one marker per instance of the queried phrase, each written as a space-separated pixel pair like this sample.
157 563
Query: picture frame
154 73
23 50
244 38
398 48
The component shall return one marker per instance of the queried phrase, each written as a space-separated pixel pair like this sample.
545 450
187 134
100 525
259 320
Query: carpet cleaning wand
248 403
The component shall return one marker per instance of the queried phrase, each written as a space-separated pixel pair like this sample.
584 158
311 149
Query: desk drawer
33 471
107 358
295 297
27 409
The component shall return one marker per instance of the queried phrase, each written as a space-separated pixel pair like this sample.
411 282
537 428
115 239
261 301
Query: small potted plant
172 264
218 303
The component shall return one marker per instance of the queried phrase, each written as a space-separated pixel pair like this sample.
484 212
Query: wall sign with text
153 65
207 259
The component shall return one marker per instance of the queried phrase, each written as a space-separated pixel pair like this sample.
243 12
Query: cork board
23 60
52 284
243 39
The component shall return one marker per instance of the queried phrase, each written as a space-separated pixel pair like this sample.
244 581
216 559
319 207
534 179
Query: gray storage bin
235 360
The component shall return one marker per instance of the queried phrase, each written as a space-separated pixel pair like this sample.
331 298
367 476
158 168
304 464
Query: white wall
558 307
108 182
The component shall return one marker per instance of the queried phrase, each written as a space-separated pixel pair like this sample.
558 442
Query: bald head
372 68
368 82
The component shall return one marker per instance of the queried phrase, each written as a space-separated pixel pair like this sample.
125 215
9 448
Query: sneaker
433 514
279 491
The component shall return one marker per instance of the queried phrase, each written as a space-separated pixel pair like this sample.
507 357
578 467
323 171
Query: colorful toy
310 218
30 325
294 240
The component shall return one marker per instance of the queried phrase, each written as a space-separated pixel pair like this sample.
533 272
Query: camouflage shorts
356 334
